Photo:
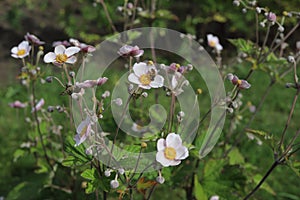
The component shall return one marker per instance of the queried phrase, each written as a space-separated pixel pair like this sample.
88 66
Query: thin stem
38 125
108 16
274 165
118 128
289 119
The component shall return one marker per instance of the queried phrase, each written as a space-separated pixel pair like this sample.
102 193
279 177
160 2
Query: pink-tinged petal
100 81
157 82
134 79
71 51
59 49
14 50
23 45
161 144
71 60
181 153
173 140
49 57
146 87
139 53
140 68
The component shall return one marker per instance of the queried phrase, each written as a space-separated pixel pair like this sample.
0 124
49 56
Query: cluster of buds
240 83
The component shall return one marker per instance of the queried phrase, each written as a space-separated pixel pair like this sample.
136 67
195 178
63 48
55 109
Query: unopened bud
49 79
114 184
160 179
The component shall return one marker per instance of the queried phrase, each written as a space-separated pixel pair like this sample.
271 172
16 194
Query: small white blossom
145 76
62 55
21 51
213 41
170 151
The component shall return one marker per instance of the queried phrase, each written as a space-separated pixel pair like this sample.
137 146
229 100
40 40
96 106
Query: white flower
177 83
21 51
170 151
145 76
213 41
62 55
214 197
298 45
83 131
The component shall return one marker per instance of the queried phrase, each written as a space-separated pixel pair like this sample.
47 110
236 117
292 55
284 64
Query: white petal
23 45
49 57
174 162
181 153
146 87
160 157
71 60
158 82
219 47
209 37
134 79
15 55
173 140
71 51
140 68
14 50
59 49
161 144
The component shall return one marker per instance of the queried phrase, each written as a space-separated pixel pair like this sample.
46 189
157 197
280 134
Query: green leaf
235 157
198 190
246 46
295 166
18 154
77 154
257 178
89 174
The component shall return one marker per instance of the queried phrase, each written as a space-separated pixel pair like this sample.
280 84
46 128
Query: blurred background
85 20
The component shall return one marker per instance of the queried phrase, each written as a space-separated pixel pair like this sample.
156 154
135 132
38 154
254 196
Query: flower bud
291 59
49 79
72 74
50 109
271 17
114 184
107 172
160 179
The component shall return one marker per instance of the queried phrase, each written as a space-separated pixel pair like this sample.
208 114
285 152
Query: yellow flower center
212 43
21 52
145 79
239 82
61 58
170 153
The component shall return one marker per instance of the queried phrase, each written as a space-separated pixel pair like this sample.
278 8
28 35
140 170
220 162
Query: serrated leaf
246 46
235 157
198 190
89 174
